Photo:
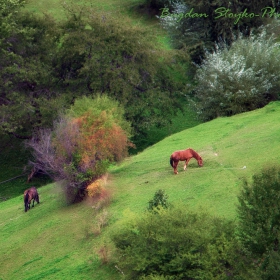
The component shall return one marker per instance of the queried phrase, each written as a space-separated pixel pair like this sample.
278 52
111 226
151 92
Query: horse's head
26 200
200 162
26 207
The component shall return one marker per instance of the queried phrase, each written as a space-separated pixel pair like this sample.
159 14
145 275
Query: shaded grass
181 121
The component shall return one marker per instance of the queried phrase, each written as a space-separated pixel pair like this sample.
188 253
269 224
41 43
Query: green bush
259 215
176 244
239 78
159 200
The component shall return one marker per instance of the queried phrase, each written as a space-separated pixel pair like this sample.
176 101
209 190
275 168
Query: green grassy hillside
227 146
56 241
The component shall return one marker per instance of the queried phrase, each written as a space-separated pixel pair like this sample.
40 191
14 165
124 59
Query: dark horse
30 194
184 155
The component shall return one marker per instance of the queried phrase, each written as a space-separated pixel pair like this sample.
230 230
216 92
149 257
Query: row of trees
46 65
173 242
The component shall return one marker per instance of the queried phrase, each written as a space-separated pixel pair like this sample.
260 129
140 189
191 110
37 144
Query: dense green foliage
259 215
240 78
159 201
28 100
207 22
100 54
45 65
178 244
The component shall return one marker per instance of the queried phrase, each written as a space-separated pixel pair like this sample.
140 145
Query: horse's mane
195 154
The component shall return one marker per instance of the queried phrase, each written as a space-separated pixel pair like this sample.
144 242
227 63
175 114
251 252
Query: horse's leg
186 163
175 164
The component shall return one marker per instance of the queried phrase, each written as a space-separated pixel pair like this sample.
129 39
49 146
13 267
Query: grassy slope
226 145
55 241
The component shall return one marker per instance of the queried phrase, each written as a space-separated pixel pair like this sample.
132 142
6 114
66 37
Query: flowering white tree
240 78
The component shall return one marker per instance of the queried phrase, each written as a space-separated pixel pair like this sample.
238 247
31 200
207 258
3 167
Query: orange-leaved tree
92 134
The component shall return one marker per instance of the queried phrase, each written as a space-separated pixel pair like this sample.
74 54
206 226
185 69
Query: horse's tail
171 161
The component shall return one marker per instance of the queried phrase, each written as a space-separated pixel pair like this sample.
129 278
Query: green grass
55 7
56 241
47 242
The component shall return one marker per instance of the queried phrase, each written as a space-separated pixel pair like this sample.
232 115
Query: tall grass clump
241 78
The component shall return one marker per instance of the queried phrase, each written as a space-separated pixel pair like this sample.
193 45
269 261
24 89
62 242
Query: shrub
101 220
240 78
176 244
259 215
98 194
95 188
159 200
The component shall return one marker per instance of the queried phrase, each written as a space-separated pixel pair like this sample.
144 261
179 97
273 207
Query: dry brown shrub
101 220
95 189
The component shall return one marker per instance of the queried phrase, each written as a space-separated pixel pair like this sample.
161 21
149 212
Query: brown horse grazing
184 155
30 194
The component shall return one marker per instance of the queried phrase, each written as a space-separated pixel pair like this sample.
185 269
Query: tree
46 65
239 78
259 215
99 53
82 143
26 47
